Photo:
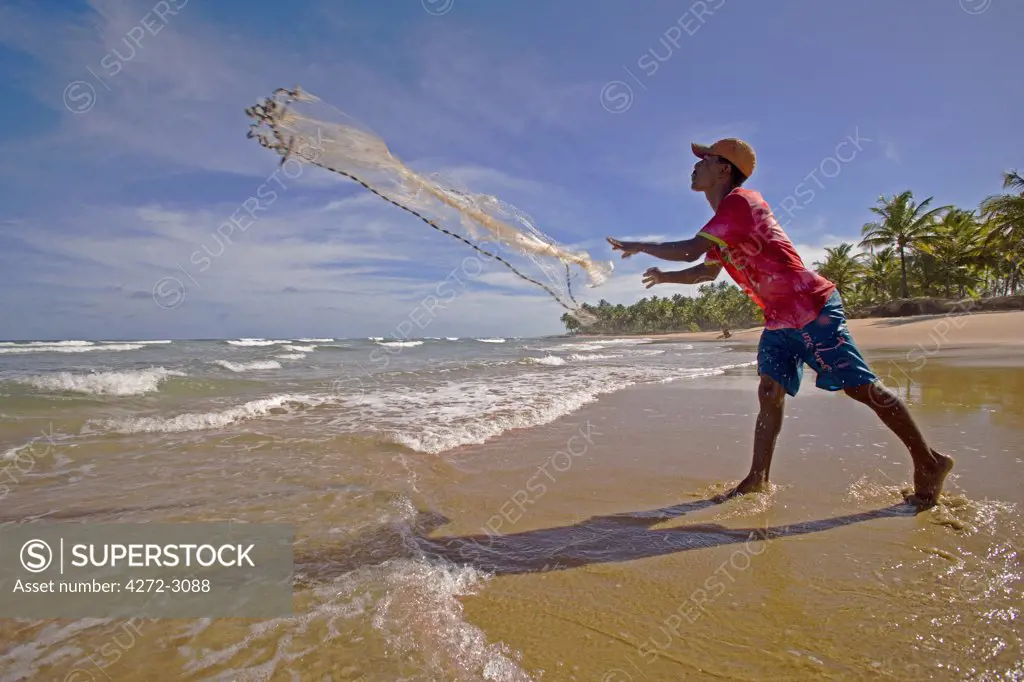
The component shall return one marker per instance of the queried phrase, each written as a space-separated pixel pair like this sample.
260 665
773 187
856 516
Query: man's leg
930 467
780 369
772 398
831 351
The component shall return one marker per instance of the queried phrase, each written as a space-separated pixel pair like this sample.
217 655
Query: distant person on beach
804 317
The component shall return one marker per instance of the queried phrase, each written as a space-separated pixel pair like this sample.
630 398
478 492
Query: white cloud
365 262
175 96
811 254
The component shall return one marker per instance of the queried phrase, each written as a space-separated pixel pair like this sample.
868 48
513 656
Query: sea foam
198 421
248 366
70 347
129 382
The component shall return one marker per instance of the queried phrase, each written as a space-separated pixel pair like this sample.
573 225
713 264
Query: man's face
708 172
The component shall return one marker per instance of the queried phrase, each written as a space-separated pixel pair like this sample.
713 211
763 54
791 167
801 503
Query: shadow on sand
599 539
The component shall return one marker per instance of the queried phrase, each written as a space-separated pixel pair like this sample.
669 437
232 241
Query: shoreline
938 332
582 547
617 494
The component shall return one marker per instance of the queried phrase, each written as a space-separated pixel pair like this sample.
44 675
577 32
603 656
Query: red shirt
761 259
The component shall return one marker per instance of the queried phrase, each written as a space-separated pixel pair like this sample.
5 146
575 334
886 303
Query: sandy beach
851 584
588 547
930 333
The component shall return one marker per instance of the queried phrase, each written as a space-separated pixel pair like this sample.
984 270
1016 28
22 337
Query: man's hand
627 248
686 250
654 276
705 272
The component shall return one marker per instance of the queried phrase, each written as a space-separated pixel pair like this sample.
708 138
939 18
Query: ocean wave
621 342
412 605
491 340
445 415
248 366
451 338
313 340
299 349
602 344
143 343
46 343
198 421
254 342
400 344
473 414
579 346
644 351
552 360
558 361
290 356
130 382
71 349
423 613
706 371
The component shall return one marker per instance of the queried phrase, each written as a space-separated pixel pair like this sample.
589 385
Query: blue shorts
825 344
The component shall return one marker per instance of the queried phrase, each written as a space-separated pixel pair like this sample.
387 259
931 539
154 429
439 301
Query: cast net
296 124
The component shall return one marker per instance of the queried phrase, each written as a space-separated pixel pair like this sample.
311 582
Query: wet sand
596 555
851 584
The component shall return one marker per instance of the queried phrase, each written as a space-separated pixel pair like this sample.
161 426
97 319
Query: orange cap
738 152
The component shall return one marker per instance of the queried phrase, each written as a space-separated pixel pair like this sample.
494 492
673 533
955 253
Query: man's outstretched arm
686 250
705 272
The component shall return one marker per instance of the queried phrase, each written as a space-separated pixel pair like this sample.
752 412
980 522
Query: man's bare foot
753 483
928 480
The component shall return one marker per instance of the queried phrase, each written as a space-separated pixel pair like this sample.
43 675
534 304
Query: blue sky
118 166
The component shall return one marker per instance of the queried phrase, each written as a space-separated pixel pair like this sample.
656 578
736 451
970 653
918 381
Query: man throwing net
804 318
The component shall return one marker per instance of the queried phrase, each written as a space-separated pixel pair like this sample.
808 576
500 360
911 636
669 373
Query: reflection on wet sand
965 383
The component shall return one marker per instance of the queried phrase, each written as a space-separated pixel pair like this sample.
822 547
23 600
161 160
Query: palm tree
1005 214
880 274
841 267
572 325
958 245
905 225
716 306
